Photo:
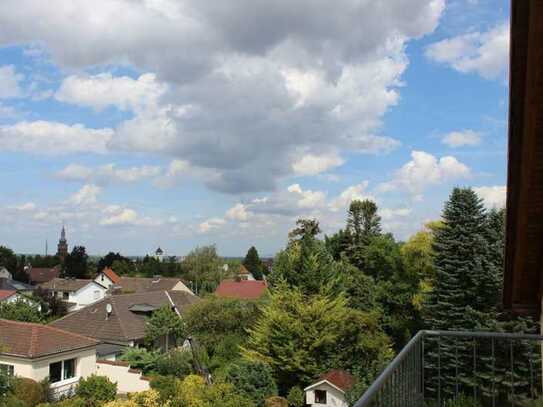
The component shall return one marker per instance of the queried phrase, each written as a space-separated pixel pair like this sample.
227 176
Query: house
245 274
38 275
76 292
107 278
40 351
242 289
128 285
10 284
330 389
120 319
8 296
4 273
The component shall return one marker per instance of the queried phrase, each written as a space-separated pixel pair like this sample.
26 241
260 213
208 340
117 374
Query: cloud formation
493 196
10 82
462 138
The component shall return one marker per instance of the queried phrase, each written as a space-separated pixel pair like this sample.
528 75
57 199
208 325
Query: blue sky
181 123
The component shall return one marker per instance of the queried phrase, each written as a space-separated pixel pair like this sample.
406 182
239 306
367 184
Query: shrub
276 401
165 386
96 389
29 391
176 363
140 358
12 401
5 385
149 398
252 379
296 397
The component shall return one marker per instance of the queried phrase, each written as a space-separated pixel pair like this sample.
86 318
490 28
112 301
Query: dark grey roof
142 308
9 284
105 349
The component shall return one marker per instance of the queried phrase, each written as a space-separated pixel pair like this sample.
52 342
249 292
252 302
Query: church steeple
62 248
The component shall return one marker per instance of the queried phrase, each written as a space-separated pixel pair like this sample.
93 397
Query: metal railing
439 368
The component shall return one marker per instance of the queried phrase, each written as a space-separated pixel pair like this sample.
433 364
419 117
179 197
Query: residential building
107 278
40 351
330 389
9 296
78 293
4 273
242 289
38 275
129 285
245 274
120 319
10 284
62 247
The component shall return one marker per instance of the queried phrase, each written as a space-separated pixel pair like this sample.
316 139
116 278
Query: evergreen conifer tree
253 263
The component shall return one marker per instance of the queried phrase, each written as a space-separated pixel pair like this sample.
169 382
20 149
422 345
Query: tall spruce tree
253 263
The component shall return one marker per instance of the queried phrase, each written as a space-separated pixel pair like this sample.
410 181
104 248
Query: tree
51 305
296 397
305 229
20 310
301 336
253 263
363 221
8 259
96 390
203 268
253 380
194 392
109 259
165 324
75 264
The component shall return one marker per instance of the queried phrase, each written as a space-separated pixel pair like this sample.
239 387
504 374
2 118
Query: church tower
62 248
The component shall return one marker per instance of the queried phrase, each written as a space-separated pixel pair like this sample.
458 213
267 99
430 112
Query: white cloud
462 138
103 90
308 198
88 194
211 224
388 214
313 164
43 137
354 192
486 54
10 82
108 173
237 212
424 170
493 196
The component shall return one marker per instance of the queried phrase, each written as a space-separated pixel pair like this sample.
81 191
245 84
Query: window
62 370
102 277
7 369
320 396
65 295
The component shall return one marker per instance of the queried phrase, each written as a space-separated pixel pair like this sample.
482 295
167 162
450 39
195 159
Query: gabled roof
246 290
109 273
42 275
35 340
122 325
243 270
67 284
4 294
340 379
10 284
142 284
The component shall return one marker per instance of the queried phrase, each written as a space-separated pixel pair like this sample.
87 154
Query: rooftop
248 290
66 284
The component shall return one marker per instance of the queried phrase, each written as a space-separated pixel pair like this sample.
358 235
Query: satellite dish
109 309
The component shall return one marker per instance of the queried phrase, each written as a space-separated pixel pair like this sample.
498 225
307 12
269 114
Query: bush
96 389
140 358
12 401
165 386
296 397
5 385
252 379
29 391
176 363
276 401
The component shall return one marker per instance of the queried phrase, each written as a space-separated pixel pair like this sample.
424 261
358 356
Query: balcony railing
439 368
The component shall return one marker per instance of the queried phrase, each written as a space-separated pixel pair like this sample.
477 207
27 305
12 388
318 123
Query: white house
78 293
107 278
329 390
39 351
4 273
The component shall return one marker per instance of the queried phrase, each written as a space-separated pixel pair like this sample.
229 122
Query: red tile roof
246 290
6 294
111 275
339 378
43 275
36 340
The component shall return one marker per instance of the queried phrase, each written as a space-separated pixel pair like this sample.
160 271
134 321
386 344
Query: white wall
128 380
86 295
180 286
103 280
334 397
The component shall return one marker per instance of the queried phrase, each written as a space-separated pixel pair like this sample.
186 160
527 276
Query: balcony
441 368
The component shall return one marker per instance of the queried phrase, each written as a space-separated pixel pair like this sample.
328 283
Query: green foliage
203 268
253 263
176 363
276 401
140 358
96 390
193 392
109 259
164 324
75 264
363 224
166 386
254 380
6 384
11 401
296 397
462 401
305 229
20 310
219 325
28 391
8 259
301 336
52 306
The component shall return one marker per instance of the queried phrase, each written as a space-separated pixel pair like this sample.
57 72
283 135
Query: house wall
180 286
86 295
103 280
4 273
334 397
128 380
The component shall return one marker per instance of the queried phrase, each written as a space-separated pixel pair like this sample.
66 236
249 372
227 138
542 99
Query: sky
182 123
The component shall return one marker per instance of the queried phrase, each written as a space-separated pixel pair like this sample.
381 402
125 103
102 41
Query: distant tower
62 250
